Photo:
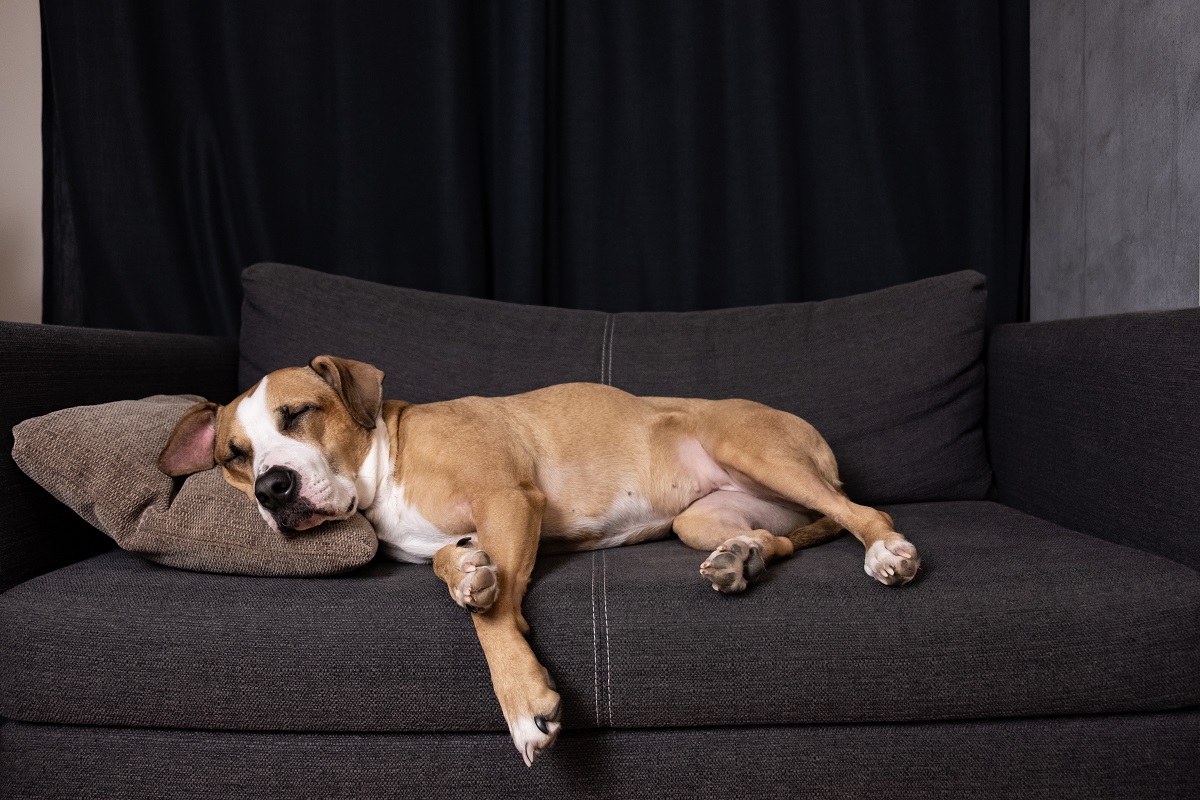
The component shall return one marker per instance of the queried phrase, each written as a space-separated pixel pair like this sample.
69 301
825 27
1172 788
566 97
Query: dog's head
294 443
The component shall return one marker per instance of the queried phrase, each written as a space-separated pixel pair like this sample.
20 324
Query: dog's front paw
535 726
477 589
893 563
733 565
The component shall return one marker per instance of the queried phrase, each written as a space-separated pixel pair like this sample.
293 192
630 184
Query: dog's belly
630 518
591 506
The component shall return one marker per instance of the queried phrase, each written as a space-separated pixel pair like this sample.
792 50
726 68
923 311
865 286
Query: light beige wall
20 161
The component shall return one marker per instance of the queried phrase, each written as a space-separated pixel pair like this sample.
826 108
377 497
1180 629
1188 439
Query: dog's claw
534 735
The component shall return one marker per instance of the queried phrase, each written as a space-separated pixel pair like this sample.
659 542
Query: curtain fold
620 155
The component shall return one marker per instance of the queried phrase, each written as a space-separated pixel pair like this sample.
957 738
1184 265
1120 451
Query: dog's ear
359 385
190 448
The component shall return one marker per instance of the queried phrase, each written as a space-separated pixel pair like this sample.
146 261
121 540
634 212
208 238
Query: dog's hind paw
733 565
894 563
477 590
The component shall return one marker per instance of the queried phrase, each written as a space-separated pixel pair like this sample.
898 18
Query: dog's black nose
276 487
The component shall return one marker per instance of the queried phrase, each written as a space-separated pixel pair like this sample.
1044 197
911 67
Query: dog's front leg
509 525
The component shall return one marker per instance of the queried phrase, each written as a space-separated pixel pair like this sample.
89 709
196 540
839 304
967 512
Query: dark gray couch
1049 648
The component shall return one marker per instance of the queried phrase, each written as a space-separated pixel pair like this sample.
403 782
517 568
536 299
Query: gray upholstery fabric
46 367
1095 424
893 379
1122 757
1010 616
101 460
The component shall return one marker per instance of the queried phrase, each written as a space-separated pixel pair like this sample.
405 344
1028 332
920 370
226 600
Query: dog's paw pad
894 563
732 565
477 590
755 564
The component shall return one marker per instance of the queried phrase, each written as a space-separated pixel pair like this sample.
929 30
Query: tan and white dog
478 485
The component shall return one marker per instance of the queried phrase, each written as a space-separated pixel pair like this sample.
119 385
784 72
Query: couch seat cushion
1011 616
893 379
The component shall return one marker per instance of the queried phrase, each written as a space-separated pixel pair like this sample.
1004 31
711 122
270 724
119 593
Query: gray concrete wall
1114 156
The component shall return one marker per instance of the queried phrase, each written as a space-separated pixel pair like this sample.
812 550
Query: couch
1050 646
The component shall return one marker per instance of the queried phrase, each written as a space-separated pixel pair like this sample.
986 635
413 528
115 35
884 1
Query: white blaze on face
330 494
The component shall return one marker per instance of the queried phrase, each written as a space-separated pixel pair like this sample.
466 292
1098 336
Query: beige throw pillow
101 461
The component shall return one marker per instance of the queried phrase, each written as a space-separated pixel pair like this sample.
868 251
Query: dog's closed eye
289 415
236 455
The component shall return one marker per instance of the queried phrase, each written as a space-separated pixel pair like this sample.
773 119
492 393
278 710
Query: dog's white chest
404 535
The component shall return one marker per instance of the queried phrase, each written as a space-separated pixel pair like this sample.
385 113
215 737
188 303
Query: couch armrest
47 367
1095 424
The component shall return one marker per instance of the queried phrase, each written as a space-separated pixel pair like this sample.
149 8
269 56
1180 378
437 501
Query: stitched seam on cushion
607 638
604 349
612 330
595 643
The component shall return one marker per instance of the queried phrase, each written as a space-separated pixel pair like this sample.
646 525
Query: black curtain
611 155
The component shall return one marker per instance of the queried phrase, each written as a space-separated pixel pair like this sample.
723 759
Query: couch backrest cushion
893 379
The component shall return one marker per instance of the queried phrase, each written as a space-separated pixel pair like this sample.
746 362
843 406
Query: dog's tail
822 530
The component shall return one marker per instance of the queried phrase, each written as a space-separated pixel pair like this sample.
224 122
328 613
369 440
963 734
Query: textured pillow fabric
101 461
893 379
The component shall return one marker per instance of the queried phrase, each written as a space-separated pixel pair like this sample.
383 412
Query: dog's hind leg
786 457
890 558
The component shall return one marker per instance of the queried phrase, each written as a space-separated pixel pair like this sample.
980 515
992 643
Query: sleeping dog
478 485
